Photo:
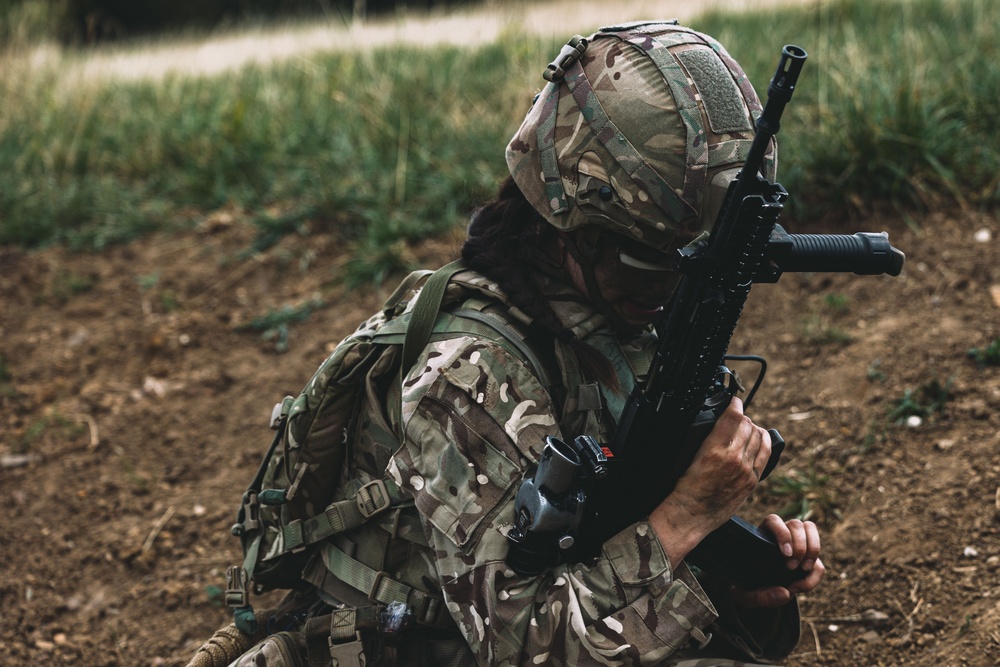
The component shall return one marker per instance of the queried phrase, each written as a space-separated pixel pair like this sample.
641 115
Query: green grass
896 105
896 102
987 356
926 402
804 495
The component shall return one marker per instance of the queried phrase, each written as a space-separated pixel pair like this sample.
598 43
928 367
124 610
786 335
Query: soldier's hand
800 544
721 477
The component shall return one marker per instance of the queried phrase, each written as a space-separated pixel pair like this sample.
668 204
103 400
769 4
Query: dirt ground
134 406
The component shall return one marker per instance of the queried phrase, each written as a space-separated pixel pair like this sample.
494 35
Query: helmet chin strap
583 248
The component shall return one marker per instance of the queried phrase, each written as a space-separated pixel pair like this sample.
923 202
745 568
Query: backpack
287 507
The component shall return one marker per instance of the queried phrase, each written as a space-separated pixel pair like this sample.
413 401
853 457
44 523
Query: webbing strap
399 294
380 587
372 498
425 312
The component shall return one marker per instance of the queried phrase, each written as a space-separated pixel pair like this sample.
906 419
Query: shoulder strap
425 312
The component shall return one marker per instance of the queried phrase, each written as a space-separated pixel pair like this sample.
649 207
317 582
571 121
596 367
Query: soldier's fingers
799 539
811 580
812 545
776 526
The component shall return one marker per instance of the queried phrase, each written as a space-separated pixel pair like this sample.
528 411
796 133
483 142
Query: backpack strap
372 498
425 312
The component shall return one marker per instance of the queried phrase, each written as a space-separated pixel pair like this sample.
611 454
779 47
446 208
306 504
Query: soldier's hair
509 242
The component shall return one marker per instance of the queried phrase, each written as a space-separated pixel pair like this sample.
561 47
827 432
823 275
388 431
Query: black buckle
373 498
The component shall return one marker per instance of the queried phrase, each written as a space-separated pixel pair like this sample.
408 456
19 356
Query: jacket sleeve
474 419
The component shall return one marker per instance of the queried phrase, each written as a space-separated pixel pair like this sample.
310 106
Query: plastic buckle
570 53
376 495
237 587
251 511
423 612
373 591
347 654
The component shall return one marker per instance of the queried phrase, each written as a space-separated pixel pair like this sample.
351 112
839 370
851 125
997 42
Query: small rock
871 637
913 421
944 444
44 645
60 639
983 236
16 460
970 552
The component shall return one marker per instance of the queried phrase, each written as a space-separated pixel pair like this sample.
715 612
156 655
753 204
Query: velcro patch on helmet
727 112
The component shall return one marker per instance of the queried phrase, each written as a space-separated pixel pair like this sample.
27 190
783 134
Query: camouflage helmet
635 125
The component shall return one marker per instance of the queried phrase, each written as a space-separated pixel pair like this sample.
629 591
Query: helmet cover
632 128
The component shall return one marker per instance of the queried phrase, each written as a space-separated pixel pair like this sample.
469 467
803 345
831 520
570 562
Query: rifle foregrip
744 555
864 253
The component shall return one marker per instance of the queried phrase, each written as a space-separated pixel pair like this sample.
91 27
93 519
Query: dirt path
464 28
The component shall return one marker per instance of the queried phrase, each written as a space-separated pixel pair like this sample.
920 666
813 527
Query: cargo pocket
463 477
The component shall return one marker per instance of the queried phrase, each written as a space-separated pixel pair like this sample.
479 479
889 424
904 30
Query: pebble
983 236
913 421
871 637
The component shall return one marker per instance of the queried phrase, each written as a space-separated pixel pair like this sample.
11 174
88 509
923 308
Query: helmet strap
584 248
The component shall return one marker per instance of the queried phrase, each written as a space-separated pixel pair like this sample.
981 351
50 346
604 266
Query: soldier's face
634 281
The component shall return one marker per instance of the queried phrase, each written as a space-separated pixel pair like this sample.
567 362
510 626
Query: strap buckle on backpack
373 498
237 587
345 645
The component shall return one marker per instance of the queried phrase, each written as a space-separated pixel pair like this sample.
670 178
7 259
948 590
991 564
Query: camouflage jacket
474 418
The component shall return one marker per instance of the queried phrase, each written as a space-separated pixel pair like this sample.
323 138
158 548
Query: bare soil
135 407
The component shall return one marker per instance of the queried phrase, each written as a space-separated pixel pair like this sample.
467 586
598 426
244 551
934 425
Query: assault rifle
583 493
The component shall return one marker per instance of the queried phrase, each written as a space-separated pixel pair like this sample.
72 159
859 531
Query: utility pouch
282 649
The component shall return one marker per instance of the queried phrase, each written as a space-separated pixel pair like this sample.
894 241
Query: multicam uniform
475 417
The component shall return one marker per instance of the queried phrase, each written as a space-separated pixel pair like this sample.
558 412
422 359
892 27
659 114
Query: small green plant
820 330
804 493
65 285
925 402
274 326
987 356
38 428
874 435
837 304
140 483
148 281
874 372
216 596
169 301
